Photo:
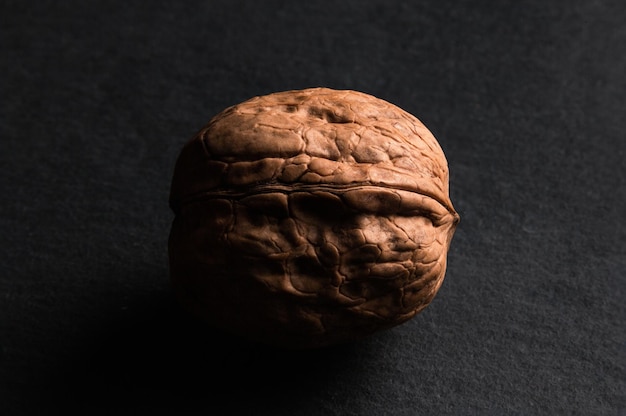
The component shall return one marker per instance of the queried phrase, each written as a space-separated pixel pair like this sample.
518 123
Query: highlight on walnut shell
308 218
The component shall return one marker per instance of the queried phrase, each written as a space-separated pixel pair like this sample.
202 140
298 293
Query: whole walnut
308 218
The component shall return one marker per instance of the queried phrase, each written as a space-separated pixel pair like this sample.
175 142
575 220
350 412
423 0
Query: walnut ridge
308 218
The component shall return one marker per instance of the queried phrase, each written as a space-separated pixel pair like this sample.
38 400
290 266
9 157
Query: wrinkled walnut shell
308 218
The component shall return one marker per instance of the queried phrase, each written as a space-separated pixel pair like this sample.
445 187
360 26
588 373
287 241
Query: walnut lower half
307 268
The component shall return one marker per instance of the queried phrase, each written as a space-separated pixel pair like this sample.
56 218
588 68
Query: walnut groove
308 218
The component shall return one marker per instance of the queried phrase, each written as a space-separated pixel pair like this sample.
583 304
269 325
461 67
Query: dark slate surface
527 100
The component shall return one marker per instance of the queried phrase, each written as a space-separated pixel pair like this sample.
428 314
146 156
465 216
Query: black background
526 98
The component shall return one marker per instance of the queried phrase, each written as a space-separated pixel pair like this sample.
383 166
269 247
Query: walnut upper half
312 217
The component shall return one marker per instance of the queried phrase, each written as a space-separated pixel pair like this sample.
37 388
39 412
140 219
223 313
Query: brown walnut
308 218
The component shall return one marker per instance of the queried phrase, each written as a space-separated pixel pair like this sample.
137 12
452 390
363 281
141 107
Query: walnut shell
308 218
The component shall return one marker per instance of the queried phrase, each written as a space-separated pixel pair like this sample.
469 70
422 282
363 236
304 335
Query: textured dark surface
527 101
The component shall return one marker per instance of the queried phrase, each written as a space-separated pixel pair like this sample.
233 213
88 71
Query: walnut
308 218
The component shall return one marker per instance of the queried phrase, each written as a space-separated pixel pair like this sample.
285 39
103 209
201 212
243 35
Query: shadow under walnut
309 218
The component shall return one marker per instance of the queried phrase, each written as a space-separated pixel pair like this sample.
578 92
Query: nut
308 218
